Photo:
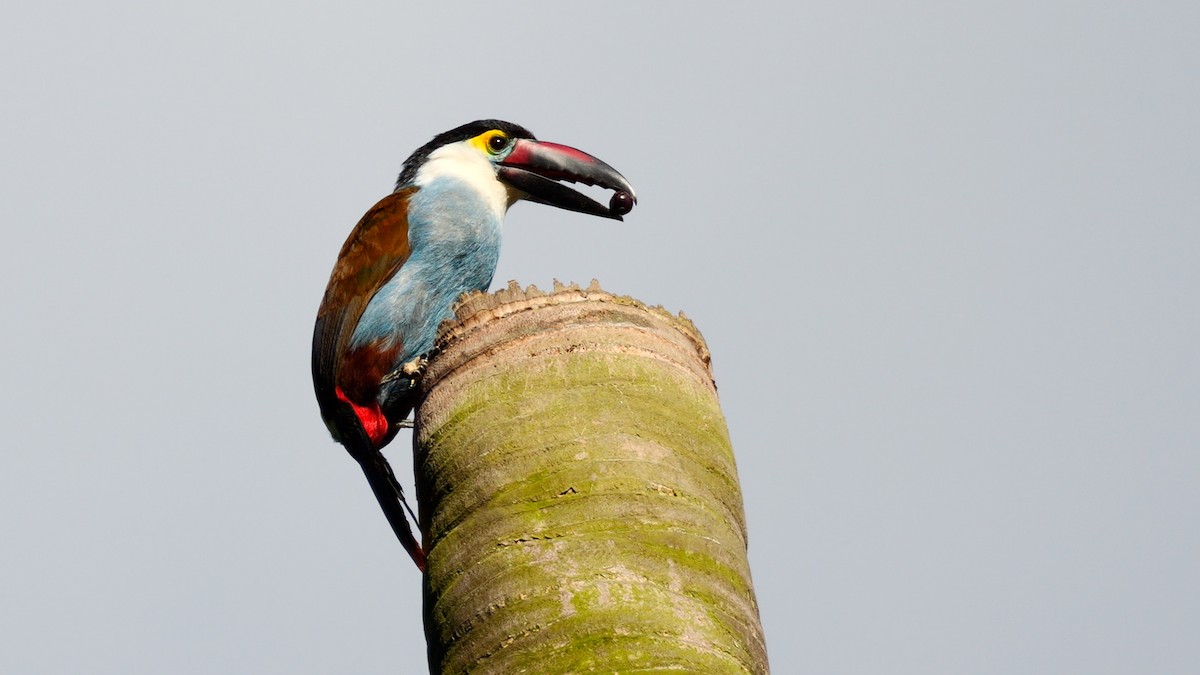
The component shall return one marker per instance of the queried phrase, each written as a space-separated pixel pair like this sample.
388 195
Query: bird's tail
391 499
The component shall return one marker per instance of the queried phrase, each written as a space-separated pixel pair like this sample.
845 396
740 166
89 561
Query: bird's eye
497 143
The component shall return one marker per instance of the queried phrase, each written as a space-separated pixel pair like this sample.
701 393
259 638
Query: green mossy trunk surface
578 494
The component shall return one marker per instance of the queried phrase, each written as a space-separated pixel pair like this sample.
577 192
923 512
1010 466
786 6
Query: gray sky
946 256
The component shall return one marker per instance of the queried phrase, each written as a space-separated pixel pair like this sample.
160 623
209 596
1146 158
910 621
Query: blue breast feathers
454 236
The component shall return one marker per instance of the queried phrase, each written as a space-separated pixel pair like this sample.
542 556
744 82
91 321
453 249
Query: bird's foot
415 368
405 378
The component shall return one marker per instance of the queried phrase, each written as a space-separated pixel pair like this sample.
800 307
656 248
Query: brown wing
374 251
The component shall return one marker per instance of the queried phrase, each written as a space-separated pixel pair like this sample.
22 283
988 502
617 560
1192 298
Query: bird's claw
415 368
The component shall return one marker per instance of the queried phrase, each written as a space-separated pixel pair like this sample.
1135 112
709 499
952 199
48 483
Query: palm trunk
578 495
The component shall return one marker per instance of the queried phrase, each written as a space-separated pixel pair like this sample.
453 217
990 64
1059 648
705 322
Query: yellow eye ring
493 142
497 143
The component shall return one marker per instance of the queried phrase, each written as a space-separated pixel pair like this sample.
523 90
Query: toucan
413 254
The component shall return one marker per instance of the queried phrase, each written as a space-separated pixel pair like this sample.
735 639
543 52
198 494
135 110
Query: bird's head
506 162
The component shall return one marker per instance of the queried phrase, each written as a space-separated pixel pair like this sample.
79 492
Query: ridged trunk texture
578 495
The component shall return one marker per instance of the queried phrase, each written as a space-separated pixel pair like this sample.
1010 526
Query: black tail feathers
391 499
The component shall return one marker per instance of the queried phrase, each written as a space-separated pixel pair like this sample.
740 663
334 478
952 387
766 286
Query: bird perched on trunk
411 256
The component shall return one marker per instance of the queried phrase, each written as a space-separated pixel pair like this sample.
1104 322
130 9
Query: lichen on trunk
578 494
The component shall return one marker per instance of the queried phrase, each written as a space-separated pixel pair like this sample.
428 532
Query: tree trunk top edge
474 310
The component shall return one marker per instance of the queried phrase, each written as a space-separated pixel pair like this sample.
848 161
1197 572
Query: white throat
462 162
